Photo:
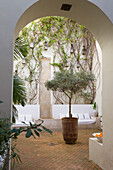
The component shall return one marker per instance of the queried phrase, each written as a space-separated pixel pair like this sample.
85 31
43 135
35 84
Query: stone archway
20 13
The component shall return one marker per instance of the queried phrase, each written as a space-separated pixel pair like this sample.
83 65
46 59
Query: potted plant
95 109
70 83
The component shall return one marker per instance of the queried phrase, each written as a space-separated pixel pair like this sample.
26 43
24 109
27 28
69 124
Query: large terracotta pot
70 130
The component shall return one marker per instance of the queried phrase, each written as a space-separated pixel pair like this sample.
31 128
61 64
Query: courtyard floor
49 152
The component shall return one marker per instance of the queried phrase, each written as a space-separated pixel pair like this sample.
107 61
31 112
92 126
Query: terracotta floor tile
38 154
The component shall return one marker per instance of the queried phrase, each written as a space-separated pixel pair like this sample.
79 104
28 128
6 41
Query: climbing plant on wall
72 45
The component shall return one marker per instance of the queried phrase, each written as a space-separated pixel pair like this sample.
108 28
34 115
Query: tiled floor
40 154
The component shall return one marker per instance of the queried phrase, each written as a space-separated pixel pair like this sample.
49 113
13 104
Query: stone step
52 124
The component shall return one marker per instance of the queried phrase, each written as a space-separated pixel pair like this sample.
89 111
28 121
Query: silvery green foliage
70 83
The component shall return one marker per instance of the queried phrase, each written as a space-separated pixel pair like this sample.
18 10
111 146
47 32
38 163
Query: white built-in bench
62 110
28 113
84 118
87 118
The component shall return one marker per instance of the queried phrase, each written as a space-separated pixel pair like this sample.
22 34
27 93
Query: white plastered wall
14 15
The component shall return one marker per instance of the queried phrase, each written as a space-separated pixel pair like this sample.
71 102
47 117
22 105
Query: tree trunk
70 115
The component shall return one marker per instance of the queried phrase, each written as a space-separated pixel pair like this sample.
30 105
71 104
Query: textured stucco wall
15 14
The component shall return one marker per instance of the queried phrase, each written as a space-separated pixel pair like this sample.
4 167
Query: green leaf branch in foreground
30 130
70 83
6 133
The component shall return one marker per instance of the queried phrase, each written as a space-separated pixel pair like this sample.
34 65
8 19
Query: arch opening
87 14
47 28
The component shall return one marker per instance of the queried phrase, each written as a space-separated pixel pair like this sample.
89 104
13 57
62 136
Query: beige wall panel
44 94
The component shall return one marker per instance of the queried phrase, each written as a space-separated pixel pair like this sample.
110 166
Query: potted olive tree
70 83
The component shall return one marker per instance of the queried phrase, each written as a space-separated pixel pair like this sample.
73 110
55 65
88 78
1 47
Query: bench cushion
81 116
85 121
87 116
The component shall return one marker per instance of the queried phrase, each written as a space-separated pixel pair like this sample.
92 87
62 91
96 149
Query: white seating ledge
23 118
85 119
